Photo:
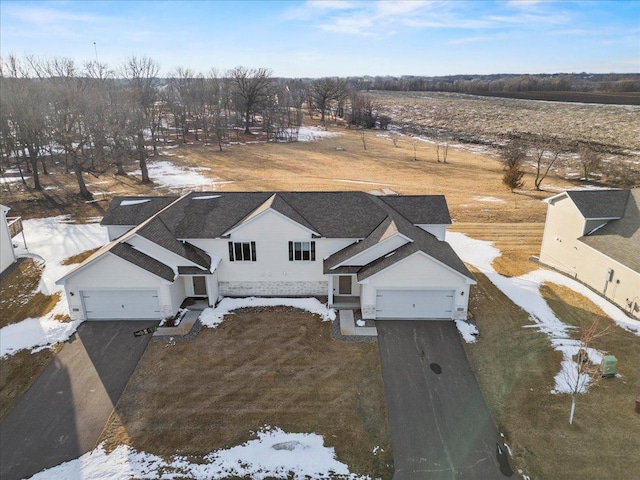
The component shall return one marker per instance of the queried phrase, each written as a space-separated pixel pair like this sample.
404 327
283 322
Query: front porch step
344 306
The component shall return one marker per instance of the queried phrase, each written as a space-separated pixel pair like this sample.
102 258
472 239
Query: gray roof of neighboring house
620 239
351 214
135 212
150 264
600 203
420 209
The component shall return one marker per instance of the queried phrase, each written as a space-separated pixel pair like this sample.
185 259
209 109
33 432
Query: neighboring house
595 237
386 254
9 228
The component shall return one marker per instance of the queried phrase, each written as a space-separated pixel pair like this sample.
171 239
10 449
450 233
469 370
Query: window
242 251
302 251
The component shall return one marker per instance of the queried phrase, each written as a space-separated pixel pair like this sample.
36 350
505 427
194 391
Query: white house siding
7 255
272 273
563 226
376 251
416 272
113 273
624 287
115 231
438 231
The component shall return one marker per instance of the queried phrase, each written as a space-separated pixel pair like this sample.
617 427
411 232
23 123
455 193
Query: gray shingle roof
150 264
420 209
600 203
620 239
134 213
355 215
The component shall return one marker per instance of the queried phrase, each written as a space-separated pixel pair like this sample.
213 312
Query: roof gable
420 209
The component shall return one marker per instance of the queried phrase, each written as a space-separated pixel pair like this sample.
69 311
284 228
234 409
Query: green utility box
608 366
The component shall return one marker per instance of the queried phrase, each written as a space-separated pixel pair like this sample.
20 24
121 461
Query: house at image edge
594 236
386 253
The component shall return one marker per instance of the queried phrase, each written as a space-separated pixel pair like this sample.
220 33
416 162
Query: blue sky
335 38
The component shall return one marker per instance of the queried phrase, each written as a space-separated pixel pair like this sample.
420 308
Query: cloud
383 18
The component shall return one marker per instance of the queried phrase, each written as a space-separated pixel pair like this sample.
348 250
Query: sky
334 38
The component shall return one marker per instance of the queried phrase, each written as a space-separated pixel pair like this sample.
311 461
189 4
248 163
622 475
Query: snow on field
166 174
4 180
524 291
309 134
467 330
274 454
489 199
53 240
212 317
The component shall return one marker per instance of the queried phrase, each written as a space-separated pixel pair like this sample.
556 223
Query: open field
490 121
471 182
274 367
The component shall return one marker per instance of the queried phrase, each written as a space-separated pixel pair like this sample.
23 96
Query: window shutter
313 251
231 251
253 251
291 251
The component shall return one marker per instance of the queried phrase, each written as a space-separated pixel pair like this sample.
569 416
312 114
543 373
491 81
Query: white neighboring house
385 254
9 228
594 236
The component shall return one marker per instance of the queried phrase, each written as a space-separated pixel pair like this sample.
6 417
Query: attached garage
407 304
120 304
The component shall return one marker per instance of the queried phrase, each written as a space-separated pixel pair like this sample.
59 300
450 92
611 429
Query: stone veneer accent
243 289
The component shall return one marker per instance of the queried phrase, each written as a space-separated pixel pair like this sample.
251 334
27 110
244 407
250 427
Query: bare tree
442 146
583 372
321 93
589 160
250 89
141 73
547 151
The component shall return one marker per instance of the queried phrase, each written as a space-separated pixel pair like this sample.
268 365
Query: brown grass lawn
279 368
335 163
515 367
20 300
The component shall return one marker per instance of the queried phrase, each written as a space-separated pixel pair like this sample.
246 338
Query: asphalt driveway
62 415
440 425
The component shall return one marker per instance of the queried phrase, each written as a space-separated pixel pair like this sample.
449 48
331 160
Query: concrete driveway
440 425
63 414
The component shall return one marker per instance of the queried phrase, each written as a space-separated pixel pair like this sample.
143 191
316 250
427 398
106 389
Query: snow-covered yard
524 291
52 240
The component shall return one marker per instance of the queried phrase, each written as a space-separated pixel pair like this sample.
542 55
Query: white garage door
121 304
414 303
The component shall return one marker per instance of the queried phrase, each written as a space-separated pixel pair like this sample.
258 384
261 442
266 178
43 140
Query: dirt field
489 121
277 367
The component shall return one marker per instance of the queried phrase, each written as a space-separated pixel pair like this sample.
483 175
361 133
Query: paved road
63 413
440 425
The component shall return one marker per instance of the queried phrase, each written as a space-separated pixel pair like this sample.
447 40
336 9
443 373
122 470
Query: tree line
94 117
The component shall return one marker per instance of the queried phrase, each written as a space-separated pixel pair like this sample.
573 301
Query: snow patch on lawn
524 291
274 454
166 174
212 317
309 134
52 239
489 199
467 330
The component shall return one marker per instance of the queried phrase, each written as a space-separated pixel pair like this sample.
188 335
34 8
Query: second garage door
120 304
414 303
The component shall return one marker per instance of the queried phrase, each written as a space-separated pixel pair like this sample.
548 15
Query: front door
344 285
199 286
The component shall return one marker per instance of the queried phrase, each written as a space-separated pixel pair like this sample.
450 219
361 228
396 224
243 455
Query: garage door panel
414 303
121 304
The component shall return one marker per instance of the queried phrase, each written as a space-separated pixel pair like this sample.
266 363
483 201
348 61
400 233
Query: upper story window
242 251
302 251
